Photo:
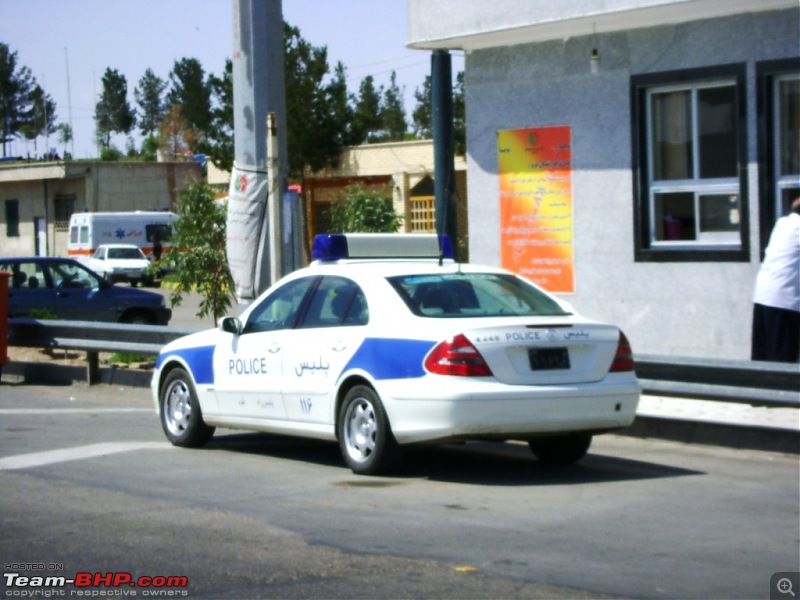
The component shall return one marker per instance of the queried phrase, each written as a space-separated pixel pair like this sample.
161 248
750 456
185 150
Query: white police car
383 342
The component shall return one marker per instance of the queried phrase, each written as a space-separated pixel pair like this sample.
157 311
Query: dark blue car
62 288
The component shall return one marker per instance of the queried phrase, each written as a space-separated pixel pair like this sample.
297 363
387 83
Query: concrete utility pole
443 144
258 91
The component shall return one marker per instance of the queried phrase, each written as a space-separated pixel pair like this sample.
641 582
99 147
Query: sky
69 44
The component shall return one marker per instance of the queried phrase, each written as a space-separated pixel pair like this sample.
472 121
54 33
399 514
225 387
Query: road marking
39 459
71 411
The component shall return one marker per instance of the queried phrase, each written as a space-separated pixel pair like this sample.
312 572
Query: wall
140 186
700 309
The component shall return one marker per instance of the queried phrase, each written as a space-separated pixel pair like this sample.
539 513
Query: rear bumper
493 410
130 276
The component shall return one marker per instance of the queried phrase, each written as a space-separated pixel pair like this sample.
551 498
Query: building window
690 165
64 207
422 206
787 140
778 107
12 218
422 212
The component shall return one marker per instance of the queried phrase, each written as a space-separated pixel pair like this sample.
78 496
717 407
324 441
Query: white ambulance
88 230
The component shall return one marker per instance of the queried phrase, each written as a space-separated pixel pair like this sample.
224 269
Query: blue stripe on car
200 360
385 358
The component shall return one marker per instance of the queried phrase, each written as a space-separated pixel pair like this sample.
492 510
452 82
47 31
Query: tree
360 210
64 131
150 147
149 95
367 121
218 142
341 106
177 137
16 105
393 114
42 116
191 93
113 113
201 264
423 116
315 134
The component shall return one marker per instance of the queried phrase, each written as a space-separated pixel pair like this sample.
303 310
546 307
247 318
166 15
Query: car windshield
473 295
125 253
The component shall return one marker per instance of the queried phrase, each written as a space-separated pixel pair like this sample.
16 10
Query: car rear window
473 295
125 253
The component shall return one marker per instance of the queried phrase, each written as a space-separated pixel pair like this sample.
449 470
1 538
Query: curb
708 433
689 431
14 372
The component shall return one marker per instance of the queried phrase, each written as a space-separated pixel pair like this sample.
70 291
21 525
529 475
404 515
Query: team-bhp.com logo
94 585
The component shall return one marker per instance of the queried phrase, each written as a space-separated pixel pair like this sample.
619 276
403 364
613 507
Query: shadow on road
481 463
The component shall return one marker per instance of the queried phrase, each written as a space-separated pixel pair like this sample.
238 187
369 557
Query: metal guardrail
93 338
756 383
739 381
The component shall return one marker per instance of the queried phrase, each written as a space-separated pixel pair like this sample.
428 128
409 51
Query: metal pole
258 90
443 144
274 205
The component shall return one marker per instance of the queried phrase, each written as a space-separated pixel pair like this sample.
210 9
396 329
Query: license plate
548 359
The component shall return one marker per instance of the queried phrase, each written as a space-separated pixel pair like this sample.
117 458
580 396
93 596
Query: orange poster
535 172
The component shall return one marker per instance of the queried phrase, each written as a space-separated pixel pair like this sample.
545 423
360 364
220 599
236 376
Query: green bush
110 154
364 211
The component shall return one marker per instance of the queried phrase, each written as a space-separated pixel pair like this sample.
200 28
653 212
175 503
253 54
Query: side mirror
230 325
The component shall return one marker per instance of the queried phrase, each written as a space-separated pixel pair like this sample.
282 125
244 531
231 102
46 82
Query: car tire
365 437
181 416
138 317
561 449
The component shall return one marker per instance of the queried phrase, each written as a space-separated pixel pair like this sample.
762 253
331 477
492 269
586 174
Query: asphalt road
185 314
88 485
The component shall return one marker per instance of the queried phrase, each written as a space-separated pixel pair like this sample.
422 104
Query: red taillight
623 360
457 356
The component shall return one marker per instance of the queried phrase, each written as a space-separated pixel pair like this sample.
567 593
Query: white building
39 197
631 154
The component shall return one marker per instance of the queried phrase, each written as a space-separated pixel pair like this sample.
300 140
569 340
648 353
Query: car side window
25 275
73 276
279 310
337 301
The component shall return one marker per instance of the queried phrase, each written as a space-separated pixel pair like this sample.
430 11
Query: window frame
767 74
646 247
12 218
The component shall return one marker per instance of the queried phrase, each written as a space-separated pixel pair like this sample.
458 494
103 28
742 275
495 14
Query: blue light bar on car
336 246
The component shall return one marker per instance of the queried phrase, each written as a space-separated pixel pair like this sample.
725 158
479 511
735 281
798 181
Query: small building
38 198
403 170
631 155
